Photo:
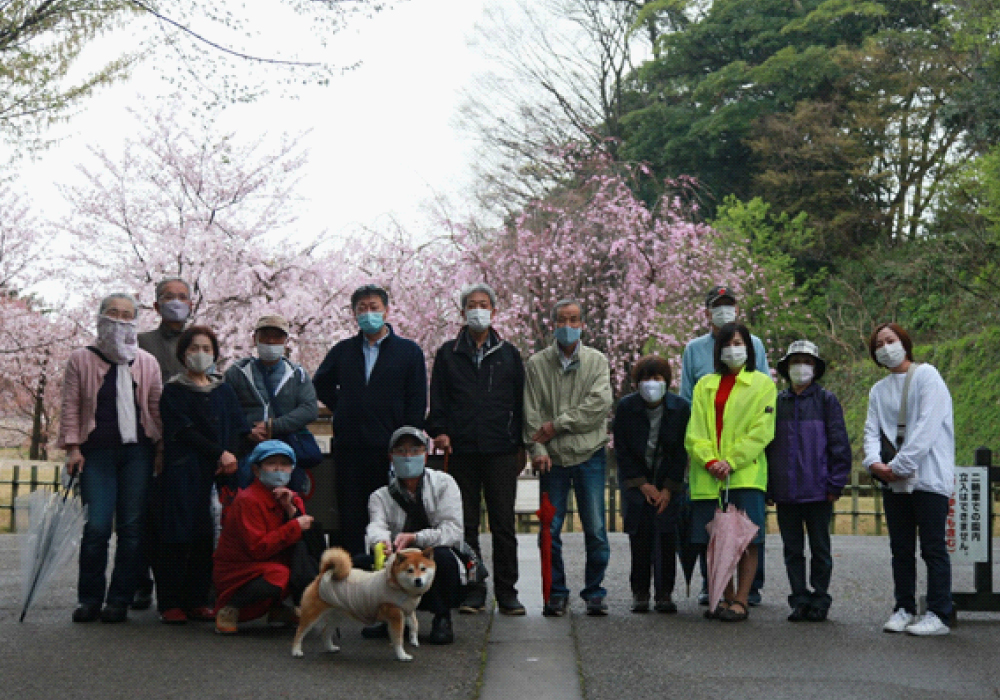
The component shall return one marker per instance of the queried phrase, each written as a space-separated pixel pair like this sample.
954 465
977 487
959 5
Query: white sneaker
899 621
928 626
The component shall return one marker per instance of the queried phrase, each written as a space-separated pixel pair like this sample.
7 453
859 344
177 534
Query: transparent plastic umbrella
54 533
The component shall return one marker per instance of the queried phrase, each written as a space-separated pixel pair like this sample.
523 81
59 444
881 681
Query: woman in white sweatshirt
916 462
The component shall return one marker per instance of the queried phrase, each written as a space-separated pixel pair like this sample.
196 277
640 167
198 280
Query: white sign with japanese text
967 530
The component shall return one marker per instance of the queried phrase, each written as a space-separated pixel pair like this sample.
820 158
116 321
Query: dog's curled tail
337 562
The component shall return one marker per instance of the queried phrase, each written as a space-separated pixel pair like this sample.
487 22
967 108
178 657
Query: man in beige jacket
567 397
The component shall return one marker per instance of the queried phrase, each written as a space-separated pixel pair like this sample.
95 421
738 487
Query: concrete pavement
622 655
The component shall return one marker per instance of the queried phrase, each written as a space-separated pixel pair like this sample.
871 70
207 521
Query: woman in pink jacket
110 429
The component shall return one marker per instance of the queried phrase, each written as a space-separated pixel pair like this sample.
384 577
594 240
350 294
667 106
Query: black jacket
480 408
631 431
365 414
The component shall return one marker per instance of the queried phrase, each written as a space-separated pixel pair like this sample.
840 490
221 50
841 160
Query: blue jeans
588 480
113 486
908 514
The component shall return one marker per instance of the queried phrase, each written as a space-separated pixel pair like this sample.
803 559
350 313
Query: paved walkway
533 656
622 655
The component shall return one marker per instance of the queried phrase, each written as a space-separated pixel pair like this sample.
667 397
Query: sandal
730 615
716 614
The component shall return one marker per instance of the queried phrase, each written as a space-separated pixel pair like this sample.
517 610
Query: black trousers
495 478
814 520
908 516
184 574
253 592
446 591
653 545
359 473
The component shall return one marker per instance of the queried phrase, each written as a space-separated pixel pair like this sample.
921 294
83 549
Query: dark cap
719 291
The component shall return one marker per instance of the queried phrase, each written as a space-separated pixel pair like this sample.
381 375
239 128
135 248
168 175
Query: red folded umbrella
546 512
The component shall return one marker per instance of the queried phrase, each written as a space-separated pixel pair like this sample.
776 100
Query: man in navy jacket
374 383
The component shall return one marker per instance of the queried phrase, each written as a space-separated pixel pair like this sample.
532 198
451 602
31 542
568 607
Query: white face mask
652 390
721 315
199 362
891 355
270 353
801 374
116 339
478 319
734 356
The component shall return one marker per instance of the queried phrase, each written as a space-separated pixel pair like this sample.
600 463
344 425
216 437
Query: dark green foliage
970 367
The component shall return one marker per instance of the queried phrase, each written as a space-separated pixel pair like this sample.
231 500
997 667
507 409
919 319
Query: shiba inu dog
390 595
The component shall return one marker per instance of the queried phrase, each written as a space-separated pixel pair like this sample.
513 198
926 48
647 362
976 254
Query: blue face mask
567 335
371 322
272 479
408 466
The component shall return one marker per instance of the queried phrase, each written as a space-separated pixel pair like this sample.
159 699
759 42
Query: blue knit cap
269 448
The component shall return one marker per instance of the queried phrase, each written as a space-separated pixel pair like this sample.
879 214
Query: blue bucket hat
269 448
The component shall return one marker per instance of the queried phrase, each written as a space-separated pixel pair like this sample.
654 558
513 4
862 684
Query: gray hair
563 303
470 289
167 280
106 302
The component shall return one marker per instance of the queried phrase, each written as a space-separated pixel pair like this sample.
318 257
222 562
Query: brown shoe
227 620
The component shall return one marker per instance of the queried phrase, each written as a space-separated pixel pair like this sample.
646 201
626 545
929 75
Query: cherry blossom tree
208 208
640 272
34 341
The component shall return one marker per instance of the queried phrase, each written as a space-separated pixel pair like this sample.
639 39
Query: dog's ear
428 553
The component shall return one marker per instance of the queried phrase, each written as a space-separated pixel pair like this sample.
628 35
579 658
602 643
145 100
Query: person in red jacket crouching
254 557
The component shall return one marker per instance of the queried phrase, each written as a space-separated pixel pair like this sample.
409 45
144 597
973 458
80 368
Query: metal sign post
984 599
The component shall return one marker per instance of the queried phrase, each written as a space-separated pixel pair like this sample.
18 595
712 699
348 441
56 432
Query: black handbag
307 452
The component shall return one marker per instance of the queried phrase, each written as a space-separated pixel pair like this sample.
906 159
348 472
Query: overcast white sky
382 138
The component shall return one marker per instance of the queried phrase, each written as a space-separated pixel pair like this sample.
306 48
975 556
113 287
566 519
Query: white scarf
125 403
118 342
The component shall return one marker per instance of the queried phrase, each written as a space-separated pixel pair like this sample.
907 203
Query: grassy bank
971 368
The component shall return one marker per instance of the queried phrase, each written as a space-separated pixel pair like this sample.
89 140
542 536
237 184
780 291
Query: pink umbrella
730 533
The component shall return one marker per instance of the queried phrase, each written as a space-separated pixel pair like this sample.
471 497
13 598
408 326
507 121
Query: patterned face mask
116 339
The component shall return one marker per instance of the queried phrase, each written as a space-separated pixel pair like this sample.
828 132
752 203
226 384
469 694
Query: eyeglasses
168 296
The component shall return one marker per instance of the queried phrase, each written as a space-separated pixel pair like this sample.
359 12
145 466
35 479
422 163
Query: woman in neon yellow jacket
732 421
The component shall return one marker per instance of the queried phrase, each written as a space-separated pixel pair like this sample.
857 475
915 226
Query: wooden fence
19 477
858 512
860 507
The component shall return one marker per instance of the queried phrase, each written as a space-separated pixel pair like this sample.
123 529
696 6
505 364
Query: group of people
157 437
165 436
739 441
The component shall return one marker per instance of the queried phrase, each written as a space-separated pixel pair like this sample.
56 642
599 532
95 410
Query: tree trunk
39 428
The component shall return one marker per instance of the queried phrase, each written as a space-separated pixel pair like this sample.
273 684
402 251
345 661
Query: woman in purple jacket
808 465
